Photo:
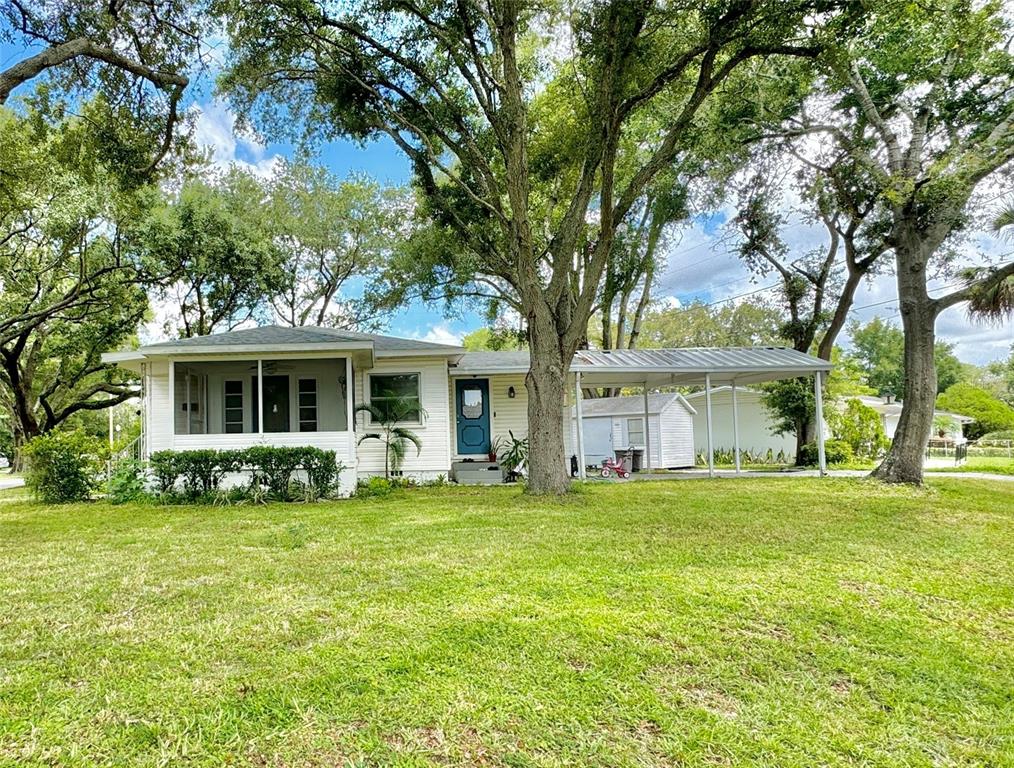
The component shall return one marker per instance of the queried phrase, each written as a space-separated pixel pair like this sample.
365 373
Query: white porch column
260 397
735 425
647 431
172 401
580 426
350 408
707 418
818 394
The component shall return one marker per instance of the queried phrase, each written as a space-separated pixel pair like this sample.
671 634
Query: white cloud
215 130
439 334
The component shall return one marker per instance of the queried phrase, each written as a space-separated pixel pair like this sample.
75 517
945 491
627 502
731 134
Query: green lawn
788 622
997 465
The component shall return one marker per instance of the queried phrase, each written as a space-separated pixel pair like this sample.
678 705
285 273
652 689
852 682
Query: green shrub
322 471
375 488
63 467
203 469
1002 434
167 468
835 452
273 467
272 470
126 484
861 427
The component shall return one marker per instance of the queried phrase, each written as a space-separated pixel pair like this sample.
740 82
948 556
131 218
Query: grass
789 622
997 465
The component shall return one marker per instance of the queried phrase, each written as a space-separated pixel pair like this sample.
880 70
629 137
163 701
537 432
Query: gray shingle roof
493 362
271 335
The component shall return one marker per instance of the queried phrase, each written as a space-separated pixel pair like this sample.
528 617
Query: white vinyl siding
508 414
754 424
434 430
671 436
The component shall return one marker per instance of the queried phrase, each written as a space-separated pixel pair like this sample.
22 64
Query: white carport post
707 418
818 394
647 431
580 425
735 425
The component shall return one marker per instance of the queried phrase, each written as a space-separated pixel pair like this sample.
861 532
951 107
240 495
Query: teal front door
471 398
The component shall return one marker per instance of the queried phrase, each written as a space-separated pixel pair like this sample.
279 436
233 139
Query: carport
696 367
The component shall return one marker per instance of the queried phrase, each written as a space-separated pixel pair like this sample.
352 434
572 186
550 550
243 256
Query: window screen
396 396
635 431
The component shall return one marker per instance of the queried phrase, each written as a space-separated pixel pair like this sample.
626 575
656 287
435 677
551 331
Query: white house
617 423
299 386
943 421
755 424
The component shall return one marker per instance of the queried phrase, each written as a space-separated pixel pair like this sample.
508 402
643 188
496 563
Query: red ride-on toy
610 466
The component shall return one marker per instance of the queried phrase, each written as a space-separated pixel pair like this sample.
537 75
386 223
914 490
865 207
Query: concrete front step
476 472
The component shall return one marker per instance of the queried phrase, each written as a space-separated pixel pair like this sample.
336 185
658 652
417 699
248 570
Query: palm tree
396 437
992 300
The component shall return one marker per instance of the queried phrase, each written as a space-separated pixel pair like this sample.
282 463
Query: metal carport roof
688 367
660 367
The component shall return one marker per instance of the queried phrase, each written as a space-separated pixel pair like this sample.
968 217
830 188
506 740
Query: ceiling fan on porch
272 367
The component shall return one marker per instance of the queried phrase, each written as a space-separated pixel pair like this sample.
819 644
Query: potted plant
514 457
494 448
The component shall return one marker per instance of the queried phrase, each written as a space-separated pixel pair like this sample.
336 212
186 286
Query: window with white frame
635 432
396 396
307 405
233 409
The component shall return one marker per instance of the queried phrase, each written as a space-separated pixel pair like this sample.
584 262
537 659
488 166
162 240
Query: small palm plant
388 423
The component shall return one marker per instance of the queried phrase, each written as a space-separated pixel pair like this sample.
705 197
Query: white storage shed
617 423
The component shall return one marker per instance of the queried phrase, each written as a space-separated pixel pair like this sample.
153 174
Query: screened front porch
243 402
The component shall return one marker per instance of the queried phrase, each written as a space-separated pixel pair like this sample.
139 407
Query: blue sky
700 261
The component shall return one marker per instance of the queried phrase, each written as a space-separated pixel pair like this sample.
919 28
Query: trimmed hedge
272 469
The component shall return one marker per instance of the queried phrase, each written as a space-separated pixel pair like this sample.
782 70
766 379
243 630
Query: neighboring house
943 421
755 424
299 386
617 423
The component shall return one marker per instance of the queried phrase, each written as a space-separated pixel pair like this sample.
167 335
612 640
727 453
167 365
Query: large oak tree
533 130
922 99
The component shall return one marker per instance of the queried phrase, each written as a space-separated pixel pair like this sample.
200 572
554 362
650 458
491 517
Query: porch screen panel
307 405
233 406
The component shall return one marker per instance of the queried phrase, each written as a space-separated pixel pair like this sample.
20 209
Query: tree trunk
903 463
546 383
802 438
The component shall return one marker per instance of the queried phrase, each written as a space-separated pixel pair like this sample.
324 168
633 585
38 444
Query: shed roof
632 405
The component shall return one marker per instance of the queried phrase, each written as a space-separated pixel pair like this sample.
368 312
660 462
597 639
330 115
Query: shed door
598 440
